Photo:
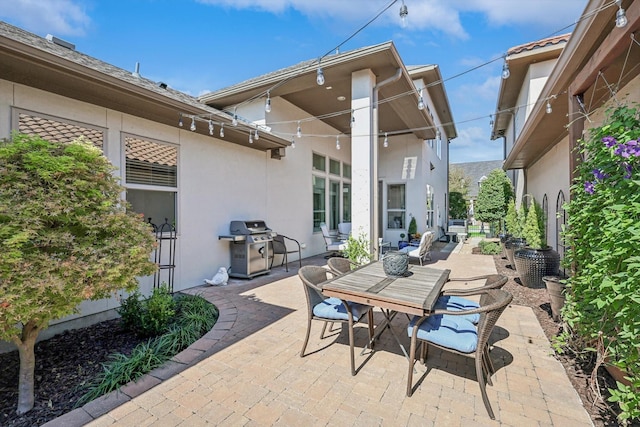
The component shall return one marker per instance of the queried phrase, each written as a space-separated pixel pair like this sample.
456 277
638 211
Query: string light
234 122
621 16
250 137
180 121
257 135
210 127
438 135
337 142
222 130
353 118
385 144
403 14
299 131
505 70
293 143
193 124
421 101
549 110
320 75
267 104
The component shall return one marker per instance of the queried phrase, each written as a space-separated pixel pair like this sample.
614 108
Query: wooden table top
415 293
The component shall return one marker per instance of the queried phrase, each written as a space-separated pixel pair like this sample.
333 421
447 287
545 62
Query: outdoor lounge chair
332 242
279 247
330 310
449 331
422 250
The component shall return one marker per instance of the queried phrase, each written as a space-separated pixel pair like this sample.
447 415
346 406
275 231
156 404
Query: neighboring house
176 165
548 102
476 172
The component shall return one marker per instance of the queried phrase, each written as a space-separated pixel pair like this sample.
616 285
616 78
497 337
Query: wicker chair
330 310
453 299
339 266
279 247
446 330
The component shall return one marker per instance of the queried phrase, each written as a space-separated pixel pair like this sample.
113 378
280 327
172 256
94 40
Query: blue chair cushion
448 331
333 309
455 303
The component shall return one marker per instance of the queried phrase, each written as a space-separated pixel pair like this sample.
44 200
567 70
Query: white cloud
473 145
59 17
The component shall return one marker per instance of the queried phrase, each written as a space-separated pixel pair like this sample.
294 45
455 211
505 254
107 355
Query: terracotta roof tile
151 152
539 43
53 130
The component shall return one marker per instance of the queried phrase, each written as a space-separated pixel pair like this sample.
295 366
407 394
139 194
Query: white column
364 158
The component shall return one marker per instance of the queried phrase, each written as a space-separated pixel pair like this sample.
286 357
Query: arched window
561 220
545 211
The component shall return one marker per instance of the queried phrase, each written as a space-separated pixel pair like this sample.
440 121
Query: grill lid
248 227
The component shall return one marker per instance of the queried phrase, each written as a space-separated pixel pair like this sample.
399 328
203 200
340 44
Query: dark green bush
489 248
148 317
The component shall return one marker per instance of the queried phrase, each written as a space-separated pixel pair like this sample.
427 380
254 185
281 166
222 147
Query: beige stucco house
558 88
391 163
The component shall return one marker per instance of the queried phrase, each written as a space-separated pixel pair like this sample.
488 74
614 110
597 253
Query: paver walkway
250 372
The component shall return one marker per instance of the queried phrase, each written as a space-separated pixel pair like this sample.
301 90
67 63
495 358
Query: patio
247 370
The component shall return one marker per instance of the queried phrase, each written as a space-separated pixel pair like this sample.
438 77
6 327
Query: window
151 178
57 130
396 206
430 203
545 212
331 192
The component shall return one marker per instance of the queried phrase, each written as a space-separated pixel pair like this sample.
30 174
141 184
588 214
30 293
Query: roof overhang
25 64
542 131
434 83
397 101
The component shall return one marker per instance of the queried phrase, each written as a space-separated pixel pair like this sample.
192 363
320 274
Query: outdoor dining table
415 293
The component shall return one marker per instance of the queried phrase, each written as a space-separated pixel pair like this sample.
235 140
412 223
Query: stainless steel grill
249 245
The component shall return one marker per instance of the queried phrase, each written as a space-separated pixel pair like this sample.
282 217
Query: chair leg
285 261
352 346
483 386
306 338
324 329
412 361
370 324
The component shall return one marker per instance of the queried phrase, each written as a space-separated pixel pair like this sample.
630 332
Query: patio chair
340 266
453 299
344 230
279 247
447 330
422 251
331 310
332 242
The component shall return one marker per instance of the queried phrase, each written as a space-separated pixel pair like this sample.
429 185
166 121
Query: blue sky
197 46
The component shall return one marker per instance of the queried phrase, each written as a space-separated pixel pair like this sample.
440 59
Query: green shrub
357 250
148 317
489 248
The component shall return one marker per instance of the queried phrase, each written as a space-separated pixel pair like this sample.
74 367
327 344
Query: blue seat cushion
333 309
455 303
448 331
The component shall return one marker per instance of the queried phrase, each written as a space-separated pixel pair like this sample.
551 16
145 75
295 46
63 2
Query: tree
493 197
65 236
458 181
457 206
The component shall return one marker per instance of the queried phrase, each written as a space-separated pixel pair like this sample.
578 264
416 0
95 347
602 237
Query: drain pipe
373 166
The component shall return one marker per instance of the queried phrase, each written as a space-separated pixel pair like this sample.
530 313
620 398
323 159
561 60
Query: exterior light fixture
193 124
222 130
299 131
385 144
621 16
320 77
234 122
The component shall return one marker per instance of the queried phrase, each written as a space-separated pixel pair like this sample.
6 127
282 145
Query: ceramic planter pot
503 240
510 246
533 264
556 290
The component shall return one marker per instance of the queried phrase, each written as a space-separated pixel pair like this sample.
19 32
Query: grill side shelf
235 238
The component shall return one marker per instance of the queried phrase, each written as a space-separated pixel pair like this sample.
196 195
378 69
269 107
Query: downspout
373 166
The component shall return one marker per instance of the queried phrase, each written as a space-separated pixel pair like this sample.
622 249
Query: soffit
397 101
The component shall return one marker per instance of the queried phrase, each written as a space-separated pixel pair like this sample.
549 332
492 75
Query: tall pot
503 240
556 290
510 246
533 264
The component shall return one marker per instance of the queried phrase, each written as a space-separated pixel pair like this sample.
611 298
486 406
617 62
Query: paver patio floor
250 372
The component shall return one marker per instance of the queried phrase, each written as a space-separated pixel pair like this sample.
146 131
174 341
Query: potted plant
401 242
536 259
357 250
413 228
514 221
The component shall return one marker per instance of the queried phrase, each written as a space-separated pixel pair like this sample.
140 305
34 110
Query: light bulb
267 104
403 14
193 124
257 136
320 77
386 140
180 121
505 70
353 118
299 132
293 143
420 104
234 122
210 127
621 18
222 130
549 109
337 142
438 134
250 137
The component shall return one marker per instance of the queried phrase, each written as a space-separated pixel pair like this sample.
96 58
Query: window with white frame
430 224
151 178
396 202
331 192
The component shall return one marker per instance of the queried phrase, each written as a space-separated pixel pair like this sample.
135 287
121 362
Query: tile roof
54 130
539 44
150 152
